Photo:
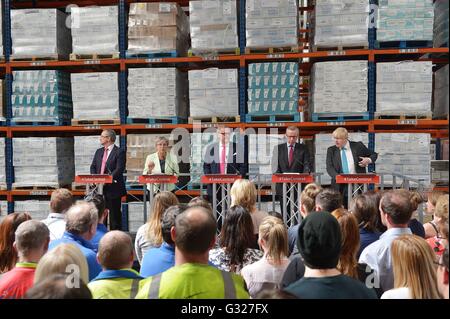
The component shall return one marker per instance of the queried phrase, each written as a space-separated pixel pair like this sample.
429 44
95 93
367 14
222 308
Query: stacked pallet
3 209
139 146
272 24
2 164
441 86
404 88
213 92
260 156
157 28
157 93
407 154
338 24
41 96
43 162
199 143
95 30
410 20
40 33
2 109
441 24
38 209
135 216
213 25
339 89
321 144
273 88
1 31
95 96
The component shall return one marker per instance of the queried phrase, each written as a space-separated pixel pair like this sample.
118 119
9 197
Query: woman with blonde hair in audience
431 228
236 242
268 271
439 241
65 259
149 235
8 227
414 269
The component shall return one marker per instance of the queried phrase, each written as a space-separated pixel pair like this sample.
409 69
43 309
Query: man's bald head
80 218
195 230
115 250
30 236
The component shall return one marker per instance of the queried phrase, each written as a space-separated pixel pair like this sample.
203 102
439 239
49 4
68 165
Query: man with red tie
290 157
110 160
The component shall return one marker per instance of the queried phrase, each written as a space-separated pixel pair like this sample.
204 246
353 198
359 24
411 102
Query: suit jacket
334 163
237 165
115 166
171 168
301 163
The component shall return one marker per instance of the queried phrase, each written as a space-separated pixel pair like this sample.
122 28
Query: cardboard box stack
157 27
199 142
2 164
38 209
136 216
3 209
260 156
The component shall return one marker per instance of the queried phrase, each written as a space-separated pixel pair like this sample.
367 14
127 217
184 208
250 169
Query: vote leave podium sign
290 201
220 191
357 183
94 182
157 183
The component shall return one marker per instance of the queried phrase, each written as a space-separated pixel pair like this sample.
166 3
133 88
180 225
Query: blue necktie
345 169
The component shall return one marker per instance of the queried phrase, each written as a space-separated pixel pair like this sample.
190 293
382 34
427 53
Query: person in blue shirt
99 202
158 260
81 225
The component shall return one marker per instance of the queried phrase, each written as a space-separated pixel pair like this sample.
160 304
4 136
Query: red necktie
291 154
105 157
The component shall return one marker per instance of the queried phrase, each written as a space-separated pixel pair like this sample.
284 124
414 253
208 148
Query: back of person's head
63 259
415 199
308 197
61 200
200 201
350 242
58 286
243 193
81 217
365 209
441 213
375 198
168 221
195 231
319 241
237 233
160 203
273 238
275 294
328 200
275 214
99 202
396 206
413 266
115 250
32 236
8 227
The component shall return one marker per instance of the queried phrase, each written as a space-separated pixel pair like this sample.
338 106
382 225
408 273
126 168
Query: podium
98 180
357 183
161 179
220 183
292 187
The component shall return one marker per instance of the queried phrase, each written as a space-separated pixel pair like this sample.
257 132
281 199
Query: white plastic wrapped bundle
213 25
39 32
95 96
441 101
157 92
38 209
339 87
95 30
2 164
135 216
271 23
260 158
404 87
199 142
3 209
43 161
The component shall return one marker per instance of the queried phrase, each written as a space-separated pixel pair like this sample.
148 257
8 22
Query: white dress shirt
56 225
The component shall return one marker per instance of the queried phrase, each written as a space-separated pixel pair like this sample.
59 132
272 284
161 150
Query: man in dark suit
347 157
224 157
111 160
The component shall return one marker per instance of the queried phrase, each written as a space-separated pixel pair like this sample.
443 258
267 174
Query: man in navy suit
111 160
224 157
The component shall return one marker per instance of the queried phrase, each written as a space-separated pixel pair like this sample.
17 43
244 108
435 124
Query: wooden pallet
272 118
403 44
295 49
95 122
78 187
403 116
157 120
52 57
38 123
340 117
134 187
153 55
339 48
3 186
95 56
38 188
201 53
215 119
